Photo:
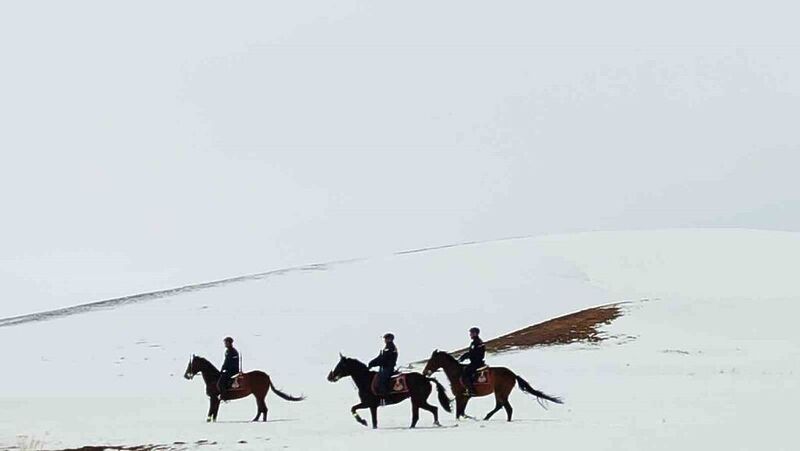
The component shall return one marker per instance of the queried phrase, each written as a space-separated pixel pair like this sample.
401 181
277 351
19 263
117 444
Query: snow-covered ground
705 357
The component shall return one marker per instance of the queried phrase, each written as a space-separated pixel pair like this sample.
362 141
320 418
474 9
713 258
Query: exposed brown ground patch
580 326
118 448
149 447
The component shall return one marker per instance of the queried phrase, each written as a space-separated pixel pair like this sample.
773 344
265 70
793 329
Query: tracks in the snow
160 294
153 295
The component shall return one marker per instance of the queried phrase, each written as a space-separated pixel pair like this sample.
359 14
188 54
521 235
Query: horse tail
442 395
526 387
284 395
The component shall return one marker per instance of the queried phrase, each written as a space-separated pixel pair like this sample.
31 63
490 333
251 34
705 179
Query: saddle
397 384
483 376
239 382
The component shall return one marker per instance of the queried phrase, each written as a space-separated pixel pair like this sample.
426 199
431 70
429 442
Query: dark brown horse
500 381
418 388
256 383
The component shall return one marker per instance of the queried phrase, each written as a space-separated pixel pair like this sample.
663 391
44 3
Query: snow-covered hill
704 359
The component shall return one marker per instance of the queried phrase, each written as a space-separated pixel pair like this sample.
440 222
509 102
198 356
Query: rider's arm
375 362
480 352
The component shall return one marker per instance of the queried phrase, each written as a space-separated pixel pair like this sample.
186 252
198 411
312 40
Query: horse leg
355 414
373 410
465 400
262 408
210 415
503 395
500 397
498 405
215 407
461 406
432 409
258 410
414 413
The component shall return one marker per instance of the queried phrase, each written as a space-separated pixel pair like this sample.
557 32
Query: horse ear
341 356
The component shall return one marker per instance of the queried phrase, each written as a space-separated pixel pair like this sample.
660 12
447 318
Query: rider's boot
469 388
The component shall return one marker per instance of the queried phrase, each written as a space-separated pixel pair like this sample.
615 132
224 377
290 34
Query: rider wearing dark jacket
386 361
476 353
230 367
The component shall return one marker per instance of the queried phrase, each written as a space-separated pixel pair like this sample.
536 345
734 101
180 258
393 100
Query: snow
704 358
158 145
222 141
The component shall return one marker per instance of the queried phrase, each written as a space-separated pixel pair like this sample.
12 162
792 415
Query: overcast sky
157 143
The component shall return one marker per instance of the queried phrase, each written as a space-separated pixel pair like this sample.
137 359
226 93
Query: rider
386 360
475 354
230 367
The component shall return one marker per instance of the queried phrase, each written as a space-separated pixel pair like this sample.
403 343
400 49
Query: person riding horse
230 367
386 361
475 354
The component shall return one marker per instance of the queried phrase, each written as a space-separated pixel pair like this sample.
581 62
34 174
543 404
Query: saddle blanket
238 382
397 384
482 376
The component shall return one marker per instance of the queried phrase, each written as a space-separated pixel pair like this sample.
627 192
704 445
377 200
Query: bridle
429 373
337 377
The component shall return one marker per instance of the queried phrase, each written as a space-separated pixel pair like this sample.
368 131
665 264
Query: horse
256 383
418 389
500 382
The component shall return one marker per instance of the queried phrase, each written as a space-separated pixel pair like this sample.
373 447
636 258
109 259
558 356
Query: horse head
346 367
434 363
191 371
336 373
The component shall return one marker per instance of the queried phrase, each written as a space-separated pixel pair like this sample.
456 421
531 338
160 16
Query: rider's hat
475 329
228 339
389 336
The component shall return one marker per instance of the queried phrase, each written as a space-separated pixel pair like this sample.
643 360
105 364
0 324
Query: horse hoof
437 424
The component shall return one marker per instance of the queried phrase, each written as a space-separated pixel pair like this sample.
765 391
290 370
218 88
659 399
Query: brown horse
256 383
500 381
418 388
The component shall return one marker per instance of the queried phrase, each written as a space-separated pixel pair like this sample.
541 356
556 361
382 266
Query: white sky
157 143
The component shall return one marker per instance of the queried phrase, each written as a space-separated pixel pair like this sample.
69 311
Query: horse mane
207 362
357 362
448 356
